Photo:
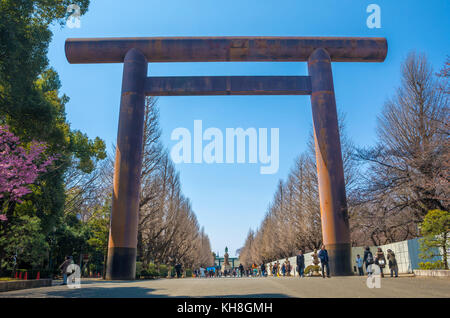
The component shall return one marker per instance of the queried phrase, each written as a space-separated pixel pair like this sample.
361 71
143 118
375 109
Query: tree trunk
104 263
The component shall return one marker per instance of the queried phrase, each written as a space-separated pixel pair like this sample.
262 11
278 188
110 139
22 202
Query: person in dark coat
392 263
368 260
178 270
241 270
263 270
300 263
323 256
380 260
63 268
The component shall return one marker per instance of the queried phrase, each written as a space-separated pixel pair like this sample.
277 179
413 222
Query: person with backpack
368 260
392 262
300 263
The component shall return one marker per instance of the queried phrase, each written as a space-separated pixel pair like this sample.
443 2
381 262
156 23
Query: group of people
214 272
318 257
379 260
206 272
281 270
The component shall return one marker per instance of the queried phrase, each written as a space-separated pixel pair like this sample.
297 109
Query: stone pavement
248 287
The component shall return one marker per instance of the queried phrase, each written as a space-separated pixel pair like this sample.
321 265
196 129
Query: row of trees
390 186
169 232
55 194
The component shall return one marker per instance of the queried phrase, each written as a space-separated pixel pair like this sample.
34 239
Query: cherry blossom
20 166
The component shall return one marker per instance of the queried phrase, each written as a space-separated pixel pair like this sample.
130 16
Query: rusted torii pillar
135 53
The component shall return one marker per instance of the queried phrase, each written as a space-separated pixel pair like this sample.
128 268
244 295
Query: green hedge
431 265
151 271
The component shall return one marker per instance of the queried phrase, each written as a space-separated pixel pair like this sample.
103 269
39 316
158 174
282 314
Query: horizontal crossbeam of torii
136 53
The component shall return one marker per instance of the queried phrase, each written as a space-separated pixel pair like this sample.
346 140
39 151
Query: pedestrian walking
263 270
283 269
300 263
241 269
63 268
359 264
178 270
392 262
288 267
323 256
255 269
380 260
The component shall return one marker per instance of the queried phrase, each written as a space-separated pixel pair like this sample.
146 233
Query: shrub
432 265
139 269
152 270
436 241
163 270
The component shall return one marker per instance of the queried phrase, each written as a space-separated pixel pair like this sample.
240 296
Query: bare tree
293 220
408 169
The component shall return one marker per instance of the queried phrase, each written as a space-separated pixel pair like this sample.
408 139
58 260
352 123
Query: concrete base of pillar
340 259
121 263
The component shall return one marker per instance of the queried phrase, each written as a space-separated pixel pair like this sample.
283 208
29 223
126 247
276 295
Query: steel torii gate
136 53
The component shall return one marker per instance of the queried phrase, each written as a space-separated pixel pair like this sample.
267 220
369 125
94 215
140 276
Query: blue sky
228 199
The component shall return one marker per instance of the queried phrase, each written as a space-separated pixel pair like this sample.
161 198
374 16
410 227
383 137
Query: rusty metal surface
220 49
228 85
127 170
330 170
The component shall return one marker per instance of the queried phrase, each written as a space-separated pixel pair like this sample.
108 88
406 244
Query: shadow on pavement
140 292
89 290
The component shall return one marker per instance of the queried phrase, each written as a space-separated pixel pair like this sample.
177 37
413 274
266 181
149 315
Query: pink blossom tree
20 165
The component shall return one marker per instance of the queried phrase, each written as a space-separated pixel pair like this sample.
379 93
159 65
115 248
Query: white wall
401 250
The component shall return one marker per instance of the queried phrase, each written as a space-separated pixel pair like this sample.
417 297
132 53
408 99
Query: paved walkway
248 287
